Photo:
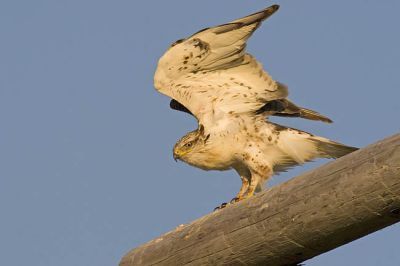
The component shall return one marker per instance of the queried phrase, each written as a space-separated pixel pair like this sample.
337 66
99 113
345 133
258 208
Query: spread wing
210 72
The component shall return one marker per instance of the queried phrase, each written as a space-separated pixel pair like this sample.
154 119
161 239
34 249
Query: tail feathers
295 147
332 149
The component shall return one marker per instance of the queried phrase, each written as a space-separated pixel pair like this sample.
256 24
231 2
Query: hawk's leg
258 177
241 194
255 181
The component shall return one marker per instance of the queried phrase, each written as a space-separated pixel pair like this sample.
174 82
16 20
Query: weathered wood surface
290 223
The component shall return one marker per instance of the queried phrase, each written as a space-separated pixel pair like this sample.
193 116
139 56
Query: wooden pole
318 211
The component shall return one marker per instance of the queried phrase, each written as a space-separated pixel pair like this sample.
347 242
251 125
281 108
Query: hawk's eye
189 144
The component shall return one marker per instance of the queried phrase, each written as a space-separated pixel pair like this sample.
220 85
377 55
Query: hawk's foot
237 199
223 205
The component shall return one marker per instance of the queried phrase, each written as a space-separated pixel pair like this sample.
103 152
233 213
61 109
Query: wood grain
310 214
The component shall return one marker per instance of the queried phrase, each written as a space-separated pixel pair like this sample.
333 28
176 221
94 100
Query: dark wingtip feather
312 115
267 12
257 17
275 7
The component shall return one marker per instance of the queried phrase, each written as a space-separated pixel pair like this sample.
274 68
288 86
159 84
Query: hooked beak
176 157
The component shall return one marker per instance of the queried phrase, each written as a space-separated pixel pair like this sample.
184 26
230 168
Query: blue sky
86 142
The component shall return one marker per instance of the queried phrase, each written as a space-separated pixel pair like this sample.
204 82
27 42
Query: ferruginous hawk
211 76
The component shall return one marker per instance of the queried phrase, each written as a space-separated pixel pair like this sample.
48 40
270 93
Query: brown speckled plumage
210 76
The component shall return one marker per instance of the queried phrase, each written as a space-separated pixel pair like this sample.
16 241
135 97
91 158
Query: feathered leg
243 189
260 172
254 183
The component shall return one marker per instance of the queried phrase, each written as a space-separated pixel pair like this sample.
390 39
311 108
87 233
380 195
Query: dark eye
189 144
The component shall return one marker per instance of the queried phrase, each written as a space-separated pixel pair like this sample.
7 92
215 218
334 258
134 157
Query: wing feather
211 72
230 39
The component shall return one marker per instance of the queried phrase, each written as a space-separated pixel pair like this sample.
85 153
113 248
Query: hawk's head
193 142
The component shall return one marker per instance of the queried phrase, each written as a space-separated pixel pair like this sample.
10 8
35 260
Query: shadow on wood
295 221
